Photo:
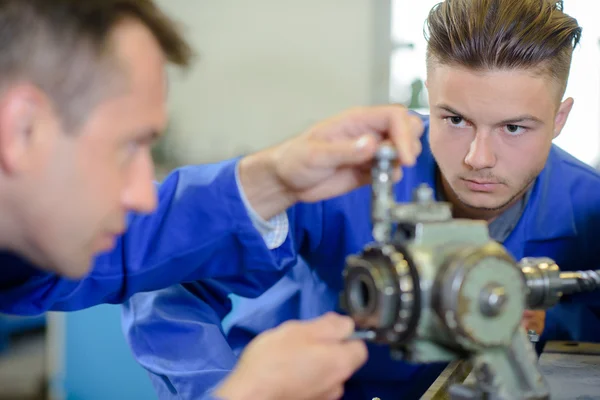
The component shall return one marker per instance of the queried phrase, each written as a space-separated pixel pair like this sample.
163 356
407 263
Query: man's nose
481 153
140 192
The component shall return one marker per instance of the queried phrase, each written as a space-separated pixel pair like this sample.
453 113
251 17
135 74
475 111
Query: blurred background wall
266 70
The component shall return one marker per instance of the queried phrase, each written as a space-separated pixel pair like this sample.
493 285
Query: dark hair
503 34
62 46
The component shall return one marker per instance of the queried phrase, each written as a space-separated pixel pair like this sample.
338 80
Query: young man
82 97
497 72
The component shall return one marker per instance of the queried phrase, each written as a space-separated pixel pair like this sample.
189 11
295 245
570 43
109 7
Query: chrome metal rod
580 281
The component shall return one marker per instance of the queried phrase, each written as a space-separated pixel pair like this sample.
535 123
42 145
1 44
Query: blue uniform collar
549 212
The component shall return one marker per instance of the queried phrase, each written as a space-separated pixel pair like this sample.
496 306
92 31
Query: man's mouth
481 181
480 185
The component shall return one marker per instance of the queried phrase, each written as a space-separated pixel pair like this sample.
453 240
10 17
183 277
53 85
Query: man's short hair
503 34
63 47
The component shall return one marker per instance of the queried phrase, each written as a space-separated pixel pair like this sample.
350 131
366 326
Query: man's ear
20 109
561 116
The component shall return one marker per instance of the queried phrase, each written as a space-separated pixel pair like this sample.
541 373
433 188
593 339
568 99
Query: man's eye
514 130
456 121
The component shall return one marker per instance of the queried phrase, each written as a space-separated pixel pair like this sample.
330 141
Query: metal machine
439 289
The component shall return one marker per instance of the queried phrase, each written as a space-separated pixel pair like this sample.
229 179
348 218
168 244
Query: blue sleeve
176 335
201 230
188 337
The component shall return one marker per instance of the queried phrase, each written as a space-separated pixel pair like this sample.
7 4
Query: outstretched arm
200 230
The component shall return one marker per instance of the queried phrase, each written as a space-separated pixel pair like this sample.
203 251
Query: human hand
534 320
297 361
331 158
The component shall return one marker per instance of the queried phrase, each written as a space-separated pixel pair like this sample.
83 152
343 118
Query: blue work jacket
188 336
199 231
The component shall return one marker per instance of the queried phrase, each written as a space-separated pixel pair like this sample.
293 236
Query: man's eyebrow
510 121
521 118
451 110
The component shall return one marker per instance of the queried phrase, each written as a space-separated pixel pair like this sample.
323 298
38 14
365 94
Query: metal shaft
580 281
547 284
383 193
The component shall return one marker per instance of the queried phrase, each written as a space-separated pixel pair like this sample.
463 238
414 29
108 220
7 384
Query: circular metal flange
480 295
542 276
381 293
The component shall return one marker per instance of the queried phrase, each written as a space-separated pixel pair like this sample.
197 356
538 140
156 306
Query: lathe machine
437 289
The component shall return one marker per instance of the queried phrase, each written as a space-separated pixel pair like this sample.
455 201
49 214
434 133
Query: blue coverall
188 337
199 231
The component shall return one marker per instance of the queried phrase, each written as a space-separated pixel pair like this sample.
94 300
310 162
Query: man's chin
476 203
76 268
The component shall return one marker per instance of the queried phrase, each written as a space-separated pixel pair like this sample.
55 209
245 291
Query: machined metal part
363 335
424 208
533 336
492 299
543 282
438 289
383 193
580 281
381 294
547 284
504 373
479 294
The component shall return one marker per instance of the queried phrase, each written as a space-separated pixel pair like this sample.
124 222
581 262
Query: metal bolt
386 152
492 300
533 336
423 194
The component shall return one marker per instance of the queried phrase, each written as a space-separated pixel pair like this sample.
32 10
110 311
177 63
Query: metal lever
363 335
383 193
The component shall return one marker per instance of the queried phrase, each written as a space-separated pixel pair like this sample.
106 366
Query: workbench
571 369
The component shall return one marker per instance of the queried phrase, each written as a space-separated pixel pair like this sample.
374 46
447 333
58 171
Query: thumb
331 326
345 152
